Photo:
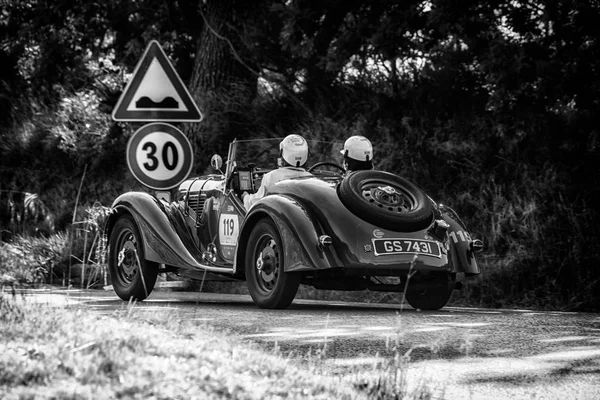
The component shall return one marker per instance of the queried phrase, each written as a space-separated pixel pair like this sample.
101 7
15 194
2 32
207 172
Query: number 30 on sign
159 156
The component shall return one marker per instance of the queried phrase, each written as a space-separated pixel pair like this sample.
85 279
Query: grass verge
66 353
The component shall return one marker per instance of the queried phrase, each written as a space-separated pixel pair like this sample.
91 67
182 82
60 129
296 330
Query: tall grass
92 256
64 352
33 261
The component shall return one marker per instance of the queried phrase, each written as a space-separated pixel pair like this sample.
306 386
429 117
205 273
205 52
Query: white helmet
358 148
294 150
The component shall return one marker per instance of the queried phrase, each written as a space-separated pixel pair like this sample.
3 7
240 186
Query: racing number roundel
159 156
229 228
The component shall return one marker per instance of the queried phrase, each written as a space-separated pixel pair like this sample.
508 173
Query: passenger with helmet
293 153
357 153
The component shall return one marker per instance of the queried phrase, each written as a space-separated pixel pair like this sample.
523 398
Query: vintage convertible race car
364 230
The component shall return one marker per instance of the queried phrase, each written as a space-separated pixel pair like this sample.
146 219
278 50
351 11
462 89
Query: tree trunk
224 79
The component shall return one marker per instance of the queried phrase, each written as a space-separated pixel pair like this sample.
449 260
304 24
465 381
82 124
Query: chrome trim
325 240
215 269
477 245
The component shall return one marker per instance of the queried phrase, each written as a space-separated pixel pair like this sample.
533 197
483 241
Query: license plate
384 247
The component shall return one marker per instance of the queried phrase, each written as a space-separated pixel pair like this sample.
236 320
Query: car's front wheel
269 285
133 277
431 294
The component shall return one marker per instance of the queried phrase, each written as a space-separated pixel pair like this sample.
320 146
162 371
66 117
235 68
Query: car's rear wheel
431 294
269 285
386 200
132 276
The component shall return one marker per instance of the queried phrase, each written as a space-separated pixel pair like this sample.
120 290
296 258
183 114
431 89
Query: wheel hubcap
127 258
387 197
267 264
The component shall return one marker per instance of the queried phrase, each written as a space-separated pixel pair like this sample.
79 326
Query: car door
231 215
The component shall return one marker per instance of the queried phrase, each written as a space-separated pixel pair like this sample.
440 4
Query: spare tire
386 200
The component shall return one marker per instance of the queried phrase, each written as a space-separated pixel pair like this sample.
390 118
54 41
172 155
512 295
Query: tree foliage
490 104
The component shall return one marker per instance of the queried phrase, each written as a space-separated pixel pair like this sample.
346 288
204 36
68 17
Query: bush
32 261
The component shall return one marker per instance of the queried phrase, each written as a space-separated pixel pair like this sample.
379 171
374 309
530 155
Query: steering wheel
326 163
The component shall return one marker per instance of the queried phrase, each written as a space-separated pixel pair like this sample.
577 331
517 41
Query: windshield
263 153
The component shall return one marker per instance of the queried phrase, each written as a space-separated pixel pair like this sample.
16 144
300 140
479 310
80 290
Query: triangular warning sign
156 92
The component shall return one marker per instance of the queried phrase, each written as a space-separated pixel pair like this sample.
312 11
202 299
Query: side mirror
216 162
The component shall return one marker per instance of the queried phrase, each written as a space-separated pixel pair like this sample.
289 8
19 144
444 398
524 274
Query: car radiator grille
196 203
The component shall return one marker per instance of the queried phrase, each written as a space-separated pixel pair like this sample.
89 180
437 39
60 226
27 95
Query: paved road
470 352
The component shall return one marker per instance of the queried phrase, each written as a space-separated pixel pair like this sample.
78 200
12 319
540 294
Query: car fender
166 238
298 230
461 254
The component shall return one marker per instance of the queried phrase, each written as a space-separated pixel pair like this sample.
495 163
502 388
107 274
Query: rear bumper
396 269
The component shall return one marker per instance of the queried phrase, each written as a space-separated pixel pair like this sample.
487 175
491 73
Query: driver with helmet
357 153
293 153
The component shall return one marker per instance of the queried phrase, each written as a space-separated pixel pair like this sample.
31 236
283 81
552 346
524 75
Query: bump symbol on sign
156 92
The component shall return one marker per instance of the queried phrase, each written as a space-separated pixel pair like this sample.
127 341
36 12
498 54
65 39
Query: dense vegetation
488 105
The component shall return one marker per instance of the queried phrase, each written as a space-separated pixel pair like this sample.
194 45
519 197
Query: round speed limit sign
159 156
